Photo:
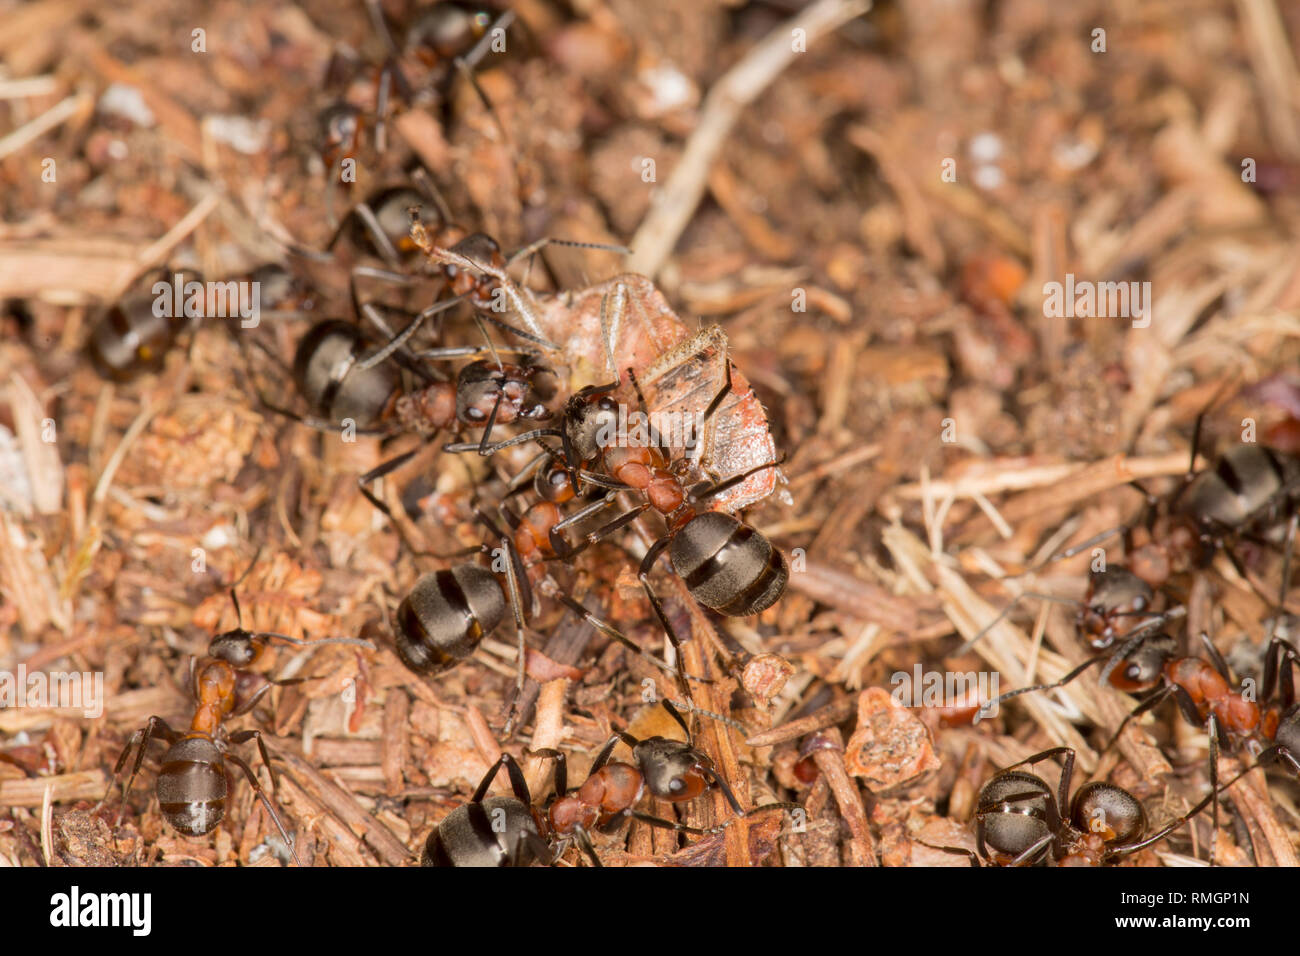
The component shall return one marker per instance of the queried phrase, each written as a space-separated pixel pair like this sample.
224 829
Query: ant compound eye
1139 604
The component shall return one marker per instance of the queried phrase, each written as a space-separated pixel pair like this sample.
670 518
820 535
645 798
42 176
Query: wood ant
440 35
512 831
727 565
626 324
191 785
1204 695
344 378
1019 822
448 612
1115 605
130 339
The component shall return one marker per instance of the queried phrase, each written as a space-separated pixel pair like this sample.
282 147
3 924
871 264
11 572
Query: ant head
340 125
1288 730
483 389
444 31
1016 812
590 421
1115 594
673 770
1109 811
1142 667
239 647
554 482
479 248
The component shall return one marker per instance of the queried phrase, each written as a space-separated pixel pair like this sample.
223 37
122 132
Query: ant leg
460 448
400 339
518 785
381 108
465 65
370 222
643 574
381 26
261 692
422 179
1032 852
663 824
1214 782
513 593
656 437
379 471
960 850
1148 704
1008 609
715 403
239 762
1286 574
561 767
584 843
566 551
245 735
1216 658
157 727
989 705
1181 821
616 635
706 490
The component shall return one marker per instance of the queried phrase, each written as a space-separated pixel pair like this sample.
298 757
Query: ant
191 785
1203 692
130 339
1243 495
727 565
344 379
448 613
1019 822
440 34
1114 596
672 770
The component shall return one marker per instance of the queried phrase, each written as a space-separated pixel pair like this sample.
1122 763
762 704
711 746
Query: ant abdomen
1247 485
441 622
727 565
192 786
487 833
130 340
1022 824
1110 812
325 373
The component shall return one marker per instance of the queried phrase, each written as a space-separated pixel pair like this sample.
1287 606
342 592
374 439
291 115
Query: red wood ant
1019 822
439 36
512 831
726 565
449 612
130 339
1202 690
191 785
